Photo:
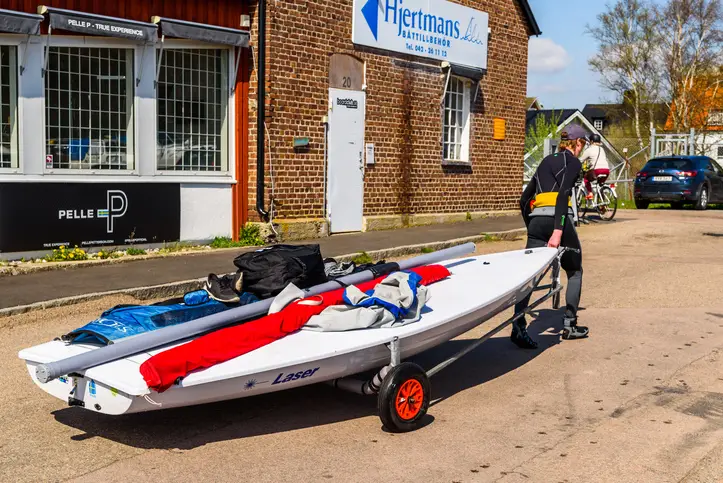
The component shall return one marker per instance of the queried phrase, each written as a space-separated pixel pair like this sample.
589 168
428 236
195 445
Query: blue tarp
130 320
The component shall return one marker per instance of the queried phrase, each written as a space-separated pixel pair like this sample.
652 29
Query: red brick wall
403 117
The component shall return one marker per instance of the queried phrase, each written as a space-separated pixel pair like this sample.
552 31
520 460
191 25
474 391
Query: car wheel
642 204
702 202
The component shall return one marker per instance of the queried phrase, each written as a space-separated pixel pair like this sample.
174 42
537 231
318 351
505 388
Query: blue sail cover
129 320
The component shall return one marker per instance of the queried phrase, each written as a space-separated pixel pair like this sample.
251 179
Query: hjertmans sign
427 28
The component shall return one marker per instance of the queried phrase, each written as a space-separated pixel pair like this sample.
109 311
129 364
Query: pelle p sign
43 216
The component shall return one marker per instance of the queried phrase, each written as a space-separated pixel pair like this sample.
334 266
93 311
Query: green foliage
541 131
249 236
469 216
63 254
362 259
135 251
426 250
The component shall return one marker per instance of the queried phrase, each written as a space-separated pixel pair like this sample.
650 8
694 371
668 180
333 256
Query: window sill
450 162
115 178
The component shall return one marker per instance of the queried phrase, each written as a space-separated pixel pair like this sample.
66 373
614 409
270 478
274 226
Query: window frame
132 133
600 123
16 164
466 130
229 122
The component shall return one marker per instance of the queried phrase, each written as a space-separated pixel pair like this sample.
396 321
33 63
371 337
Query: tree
691 43
542 129
626 60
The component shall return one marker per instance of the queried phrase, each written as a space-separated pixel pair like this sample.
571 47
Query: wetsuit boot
520 337
571 330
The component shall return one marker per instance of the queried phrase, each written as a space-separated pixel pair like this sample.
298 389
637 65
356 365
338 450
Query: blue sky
558 70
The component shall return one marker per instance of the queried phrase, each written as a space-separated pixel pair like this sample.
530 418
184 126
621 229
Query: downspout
261 113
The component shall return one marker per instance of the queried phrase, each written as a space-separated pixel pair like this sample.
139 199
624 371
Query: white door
346 160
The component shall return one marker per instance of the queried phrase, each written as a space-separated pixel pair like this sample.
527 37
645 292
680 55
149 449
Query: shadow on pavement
317 405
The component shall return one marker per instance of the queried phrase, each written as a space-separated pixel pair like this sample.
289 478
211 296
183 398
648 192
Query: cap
572 132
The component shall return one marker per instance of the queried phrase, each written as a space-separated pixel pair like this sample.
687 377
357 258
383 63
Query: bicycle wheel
581 202
608 204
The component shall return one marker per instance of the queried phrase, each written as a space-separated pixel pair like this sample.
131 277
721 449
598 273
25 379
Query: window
89 108
720 152
456 120
715 118
8 108
598 124
192 110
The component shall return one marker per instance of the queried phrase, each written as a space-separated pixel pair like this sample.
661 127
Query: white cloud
545 56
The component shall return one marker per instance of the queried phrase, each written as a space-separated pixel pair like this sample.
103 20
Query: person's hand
555 239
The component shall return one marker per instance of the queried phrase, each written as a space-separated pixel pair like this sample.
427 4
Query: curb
11 271
174 289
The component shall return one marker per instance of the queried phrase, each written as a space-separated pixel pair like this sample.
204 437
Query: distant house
532 104
705 116
606 116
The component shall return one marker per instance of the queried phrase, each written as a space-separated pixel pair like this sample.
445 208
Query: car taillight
688 174
641 174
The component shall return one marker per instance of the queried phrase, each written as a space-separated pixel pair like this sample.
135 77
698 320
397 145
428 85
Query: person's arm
573 172
526 198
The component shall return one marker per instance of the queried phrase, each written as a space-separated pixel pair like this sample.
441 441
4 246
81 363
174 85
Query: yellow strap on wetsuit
547 199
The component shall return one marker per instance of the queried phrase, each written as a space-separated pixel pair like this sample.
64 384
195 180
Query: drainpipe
261 113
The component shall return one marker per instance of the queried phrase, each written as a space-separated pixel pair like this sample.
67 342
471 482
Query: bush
250 236
63 254
135 251
426 250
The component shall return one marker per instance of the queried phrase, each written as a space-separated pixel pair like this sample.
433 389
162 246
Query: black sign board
182 29
20 22
90 24
43 216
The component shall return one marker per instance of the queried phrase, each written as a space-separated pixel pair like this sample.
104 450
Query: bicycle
604 199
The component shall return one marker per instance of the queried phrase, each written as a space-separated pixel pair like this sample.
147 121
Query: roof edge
531 20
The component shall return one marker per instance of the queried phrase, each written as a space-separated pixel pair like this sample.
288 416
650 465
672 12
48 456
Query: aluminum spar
168 335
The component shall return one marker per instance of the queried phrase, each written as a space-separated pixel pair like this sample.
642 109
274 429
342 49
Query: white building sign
435 29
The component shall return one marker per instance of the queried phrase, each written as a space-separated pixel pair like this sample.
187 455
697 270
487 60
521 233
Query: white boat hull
100 392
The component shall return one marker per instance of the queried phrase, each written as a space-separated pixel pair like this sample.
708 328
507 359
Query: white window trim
466 119
97 42
145 167
16 136
230 125
599 124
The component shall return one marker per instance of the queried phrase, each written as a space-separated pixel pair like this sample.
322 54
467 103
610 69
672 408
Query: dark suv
679 180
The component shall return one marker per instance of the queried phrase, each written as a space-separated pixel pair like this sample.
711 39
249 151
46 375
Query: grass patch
492 238
426 250
135 252
64 254
469 216
173 247
249 236
362 259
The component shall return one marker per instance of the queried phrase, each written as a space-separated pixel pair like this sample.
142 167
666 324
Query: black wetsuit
556 173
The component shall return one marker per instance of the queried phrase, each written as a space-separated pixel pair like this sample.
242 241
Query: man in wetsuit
545 206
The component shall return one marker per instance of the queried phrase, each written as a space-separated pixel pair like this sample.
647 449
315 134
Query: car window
716 167
678 164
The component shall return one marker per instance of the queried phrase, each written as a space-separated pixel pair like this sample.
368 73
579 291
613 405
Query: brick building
425 168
